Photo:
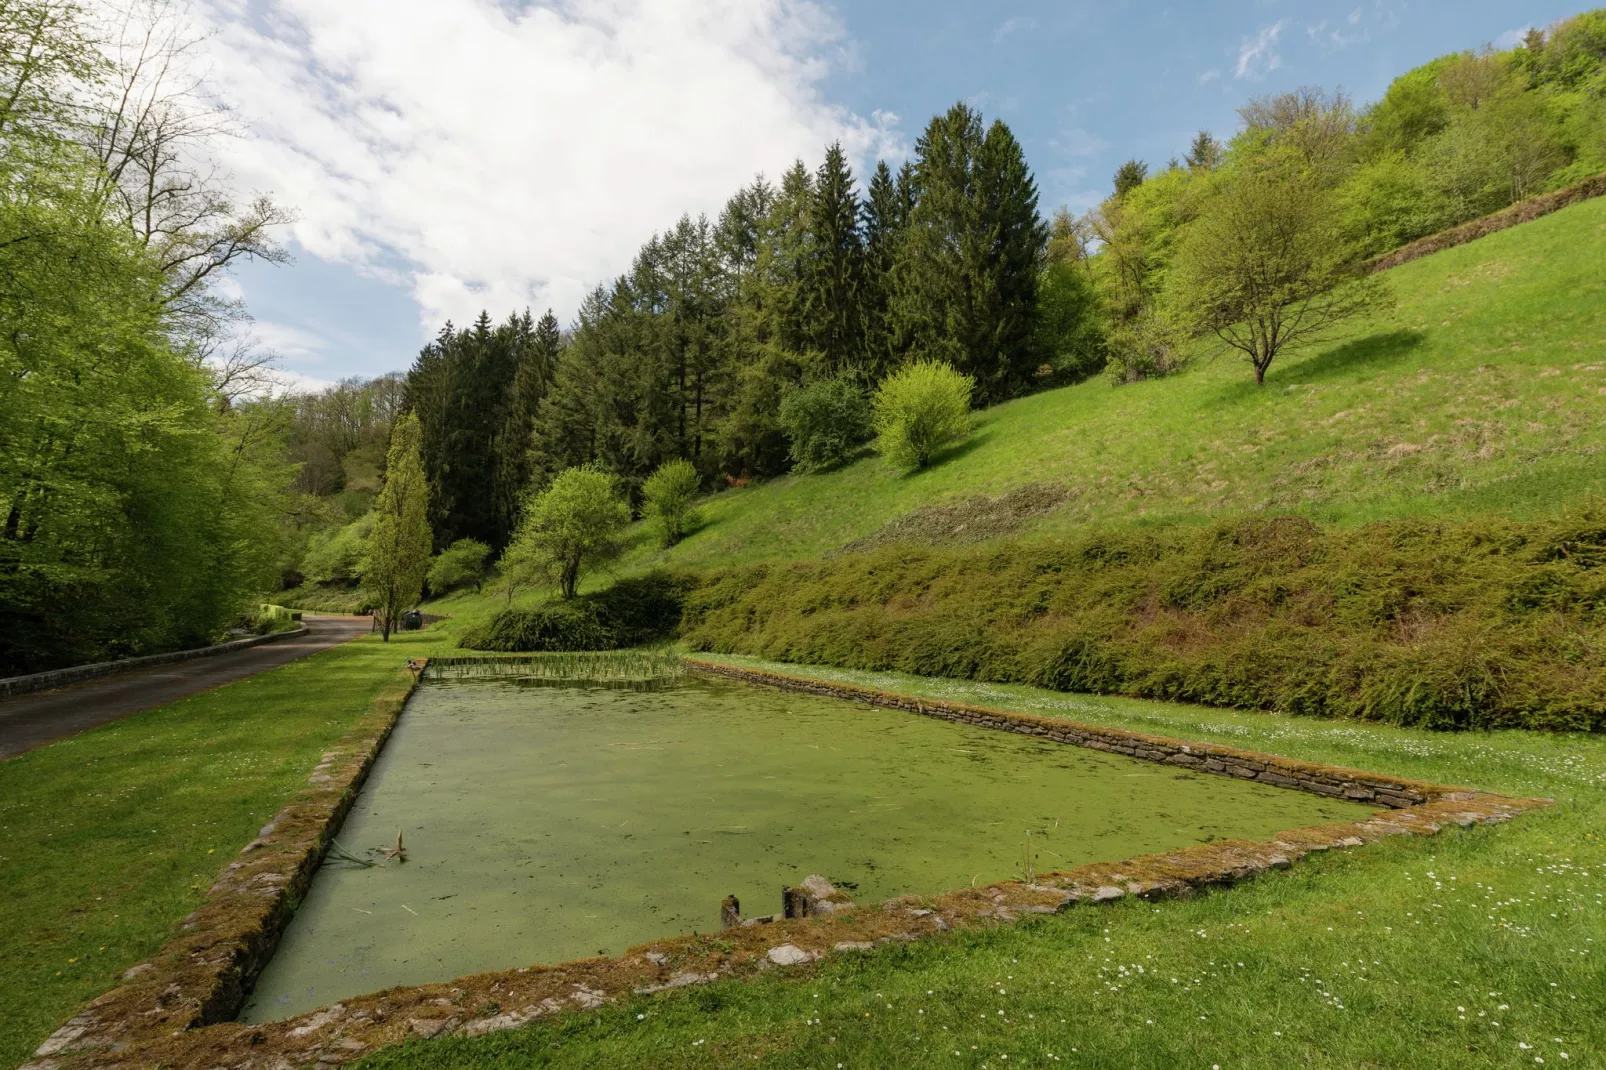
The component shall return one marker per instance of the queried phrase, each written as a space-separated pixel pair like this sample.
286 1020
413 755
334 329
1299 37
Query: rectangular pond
547 822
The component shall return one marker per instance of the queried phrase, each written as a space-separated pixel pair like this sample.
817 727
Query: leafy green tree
459 565
337 556
826 422
1266 267
399 541
567 528
668 494
1140 232
1129 176
919 409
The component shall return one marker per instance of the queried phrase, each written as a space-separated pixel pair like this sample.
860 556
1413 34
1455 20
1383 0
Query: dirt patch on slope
967 520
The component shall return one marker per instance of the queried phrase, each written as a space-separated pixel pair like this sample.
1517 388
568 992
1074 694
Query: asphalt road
28 721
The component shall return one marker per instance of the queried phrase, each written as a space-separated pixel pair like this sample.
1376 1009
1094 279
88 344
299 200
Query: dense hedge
1442 624
642 609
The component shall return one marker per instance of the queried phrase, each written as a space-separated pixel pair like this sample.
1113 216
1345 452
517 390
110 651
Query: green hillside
1483 391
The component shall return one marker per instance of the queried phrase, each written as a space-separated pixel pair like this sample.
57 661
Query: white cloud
1257 56
1209 76
520 154
1075 142
289 342
1513 37
1014 25
1332 39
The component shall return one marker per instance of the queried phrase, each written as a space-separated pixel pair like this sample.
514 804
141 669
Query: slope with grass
1485 390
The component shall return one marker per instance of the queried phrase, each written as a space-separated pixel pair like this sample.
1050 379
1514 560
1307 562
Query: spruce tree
1129 176
1205 153
789 238
885 217
831 282
539 344
965 289
1015 239
932 311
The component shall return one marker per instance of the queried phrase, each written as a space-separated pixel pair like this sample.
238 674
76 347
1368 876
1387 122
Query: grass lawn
1484 390
109 837
1469 949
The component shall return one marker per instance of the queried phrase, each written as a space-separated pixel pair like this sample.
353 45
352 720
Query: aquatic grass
579 666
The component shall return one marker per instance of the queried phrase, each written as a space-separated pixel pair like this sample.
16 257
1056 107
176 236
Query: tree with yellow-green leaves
400 542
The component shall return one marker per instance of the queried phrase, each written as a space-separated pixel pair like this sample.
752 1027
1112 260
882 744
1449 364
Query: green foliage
634 611
1265 267
919 409
1205 153
399 542
826 422
1472 624
667 496
1129 176
966 290
567 528
1431 410
459 565
476 393
1139 232
336 557
1067 331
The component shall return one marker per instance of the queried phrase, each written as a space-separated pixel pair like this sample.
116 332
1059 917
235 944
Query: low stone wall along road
28 721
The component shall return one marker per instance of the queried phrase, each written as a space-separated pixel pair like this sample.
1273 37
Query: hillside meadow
1483 391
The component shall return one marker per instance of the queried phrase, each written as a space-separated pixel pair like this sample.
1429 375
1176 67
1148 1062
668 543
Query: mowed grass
1484 390
108 838
1480 948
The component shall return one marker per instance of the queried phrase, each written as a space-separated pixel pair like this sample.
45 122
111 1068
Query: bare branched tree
151 125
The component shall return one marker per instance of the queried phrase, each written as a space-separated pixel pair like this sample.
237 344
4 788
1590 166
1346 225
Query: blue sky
504 154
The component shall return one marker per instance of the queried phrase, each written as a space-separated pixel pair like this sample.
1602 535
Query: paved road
28 721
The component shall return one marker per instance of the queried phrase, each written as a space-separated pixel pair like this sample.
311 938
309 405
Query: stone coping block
174 1010
45 681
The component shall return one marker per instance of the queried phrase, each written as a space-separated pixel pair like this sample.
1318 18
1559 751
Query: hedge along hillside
1467 624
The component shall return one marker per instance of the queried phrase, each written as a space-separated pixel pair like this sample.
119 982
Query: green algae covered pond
545 823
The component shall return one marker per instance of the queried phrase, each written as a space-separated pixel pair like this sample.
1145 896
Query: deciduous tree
1266 267
399 542
568 527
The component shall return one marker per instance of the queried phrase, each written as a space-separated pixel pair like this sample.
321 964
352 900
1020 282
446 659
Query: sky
444 156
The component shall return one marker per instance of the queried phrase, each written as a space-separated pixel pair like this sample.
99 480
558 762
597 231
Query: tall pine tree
831 282
886 215
965 288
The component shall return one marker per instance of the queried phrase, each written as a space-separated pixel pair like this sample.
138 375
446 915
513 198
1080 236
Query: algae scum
545 823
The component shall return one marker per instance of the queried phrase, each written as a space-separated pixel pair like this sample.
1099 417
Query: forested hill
804 293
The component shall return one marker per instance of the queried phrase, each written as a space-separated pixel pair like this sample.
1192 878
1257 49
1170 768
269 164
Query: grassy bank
1485 391
109 837
1470 949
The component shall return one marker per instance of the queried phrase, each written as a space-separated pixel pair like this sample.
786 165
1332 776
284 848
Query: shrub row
1521 212
634 611
1449 624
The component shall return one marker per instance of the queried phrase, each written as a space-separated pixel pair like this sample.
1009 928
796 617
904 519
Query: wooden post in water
794 903
730 913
